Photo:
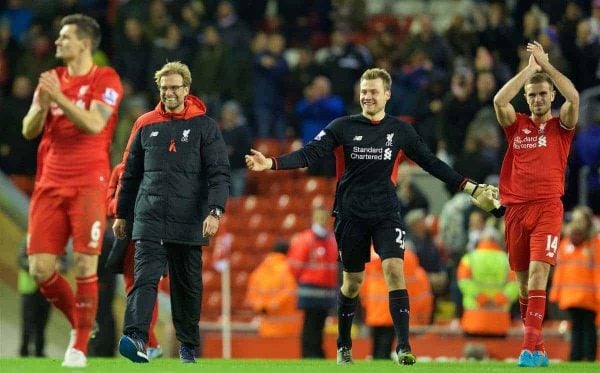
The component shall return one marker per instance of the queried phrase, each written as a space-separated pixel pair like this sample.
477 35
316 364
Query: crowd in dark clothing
269 60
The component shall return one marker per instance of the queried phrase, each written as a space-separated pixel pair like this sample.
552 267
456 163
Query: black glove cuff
498 212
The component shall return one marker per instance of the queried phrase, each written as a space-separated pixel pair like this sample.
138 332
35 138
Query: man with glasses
170 198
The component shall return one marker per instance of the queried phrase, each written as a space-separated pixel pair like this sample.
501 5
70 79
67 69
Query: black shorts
354 237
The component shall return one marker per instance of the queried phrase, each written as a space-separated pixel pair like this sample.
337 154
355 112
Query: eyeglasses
172 88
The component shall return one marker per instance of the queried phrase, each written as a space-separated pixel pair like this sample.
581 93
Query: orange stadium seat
211 280
317 185
263 242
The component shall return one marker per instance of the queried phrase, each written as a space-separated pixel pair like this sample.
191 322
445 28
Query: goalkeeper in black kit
368 147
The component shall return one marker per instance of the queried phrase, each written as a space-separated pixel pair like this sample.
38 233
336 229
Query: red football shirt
71 157
535 162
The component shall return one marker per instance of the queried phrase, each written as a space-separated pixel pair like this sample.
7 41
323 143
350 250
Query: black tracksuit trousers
185 275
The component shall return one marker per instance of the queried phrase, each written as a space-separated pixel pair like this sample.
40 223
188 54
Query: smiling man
171 194
532 181
369 147
75 106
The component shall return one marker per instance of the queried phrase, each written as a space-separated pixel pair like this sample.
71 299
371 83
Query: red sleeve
107 88
510 130
111 193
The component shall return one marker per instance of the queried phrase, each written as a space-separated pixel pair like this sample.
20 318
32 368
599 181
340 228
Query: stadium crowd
283 69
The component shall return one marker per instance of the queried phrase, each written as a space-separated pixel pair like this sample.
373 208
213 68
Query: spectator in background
595 20
157 20
37 55
586 152
302 74
548 38
343 63
459 107
498 35
192 22
270 74
210 68
576 282
9 55
271 293
462 36
567 31
19 16
17 155
168 46
484 147
313 260
488 287
428 254
315 111
586 71
235 32
132 54
428 109
409 194
425 38
317 108
376 305
236 135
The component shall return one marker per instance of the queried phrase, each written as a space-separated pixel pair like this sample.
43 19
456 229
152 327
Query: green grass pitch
120 365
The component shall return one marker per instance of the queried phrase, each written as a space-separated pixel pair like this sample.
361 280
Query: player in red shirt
531 184
75 107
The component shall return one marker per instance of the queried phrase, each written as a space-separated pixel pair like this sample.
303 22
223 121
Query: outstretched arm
256 161
505 112
569 111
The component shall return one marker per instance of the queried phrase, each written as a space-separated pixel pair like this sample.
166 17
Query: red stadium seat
269 147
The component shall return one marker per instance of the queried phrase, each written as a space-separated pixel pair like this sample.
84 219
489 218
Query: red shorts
58 213
533 232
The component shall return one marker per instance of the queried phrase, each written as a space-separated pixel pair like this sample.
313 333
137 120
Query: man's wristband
216 212
499 211
469 186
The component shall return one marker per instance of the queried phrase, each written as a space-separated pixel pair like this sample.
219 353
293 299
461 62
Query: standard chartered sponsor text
366 153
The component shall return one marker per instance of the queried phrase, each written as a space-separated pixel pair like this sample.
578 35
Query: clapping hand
537 52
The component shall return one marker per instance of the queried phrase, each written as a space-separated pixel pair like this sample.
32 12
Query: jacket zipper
172 149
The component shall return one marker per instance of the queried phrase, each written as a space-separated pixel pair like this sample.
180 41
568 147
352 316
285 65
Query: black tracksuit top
368 154
176 169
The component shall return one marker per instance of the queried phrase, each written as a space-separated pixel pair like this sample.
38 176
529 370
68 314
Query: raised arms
569 111
505 112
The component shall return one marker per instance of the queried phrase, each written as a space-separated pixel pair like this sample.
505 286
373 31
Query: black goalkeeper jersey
368 153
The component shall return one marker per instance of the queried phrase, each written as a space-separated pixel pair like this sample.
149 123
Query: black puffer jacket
176 170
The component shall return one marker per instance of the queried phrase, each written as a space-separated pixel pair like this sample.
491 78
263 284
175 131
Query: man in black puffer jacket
173 189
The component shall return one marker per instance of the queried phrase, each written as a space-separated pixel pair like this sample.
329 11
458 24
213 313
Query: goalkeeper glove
485 197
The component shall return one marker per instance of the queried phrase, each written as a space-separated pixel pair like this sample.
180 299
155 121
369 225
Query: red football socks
86 305
523 302
533 321
58 292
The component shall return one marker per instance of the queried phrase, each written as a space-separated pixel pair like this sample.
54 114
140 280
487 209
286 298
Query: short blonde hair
376 73
175 67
